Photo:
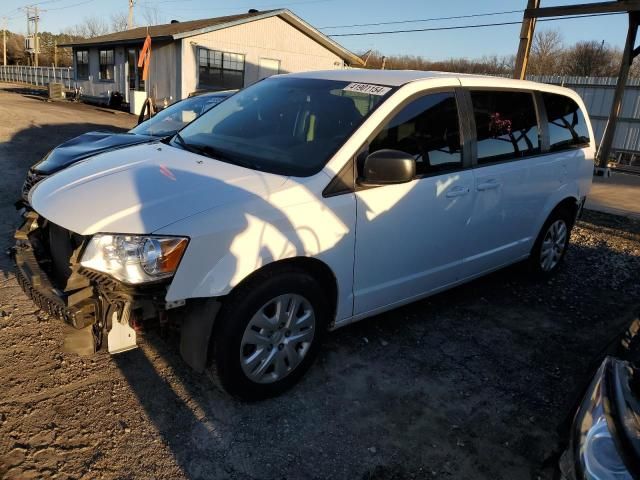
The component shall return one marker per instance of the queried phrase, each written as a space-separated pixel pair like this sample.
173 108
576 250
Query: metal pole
35 39
130 18
4 43
610 129
526 39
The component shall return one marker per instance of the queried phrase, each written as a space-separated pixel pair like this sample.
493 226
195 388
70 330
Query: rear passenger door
410 237
507 196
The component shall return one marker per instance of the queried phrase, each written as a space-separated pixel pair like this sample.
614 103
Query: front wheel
551 245
268 334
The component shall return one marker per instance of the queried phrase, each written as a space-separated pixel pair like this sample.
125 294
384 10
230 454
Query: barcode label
367 88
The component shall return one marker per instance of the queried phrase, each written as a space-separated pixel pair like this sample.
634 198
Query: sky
436 45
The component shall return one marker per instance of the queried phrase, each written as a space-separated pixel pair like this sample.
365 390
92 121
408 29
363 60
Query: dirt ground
469 384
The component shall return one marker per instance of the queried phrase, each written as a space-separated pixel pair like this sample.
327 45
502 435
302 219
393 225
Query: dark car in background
604 439
164 124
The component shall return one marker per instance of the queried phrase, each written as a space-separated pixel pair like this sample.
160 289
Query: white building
212 54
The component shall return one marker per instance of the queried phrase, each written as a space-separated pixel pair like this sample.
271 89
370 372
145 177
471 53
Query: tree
591 59
152 16
546 52
90 27
119 22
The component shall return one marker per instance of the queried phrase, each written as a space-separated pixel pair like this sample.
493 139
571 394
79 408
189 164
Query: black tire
235 315
560 214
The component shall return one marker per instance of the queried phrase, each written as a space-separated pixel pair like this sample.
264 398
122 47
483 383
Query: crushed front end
98 310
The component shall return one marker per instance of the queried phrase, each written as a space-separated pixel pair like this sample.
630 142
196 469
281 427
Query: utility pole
55 53
35 39
526 40
130 19
4 42
33 17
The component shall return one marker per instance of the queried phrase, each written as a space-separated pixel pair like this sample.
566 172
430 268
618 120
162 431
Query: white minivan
304 203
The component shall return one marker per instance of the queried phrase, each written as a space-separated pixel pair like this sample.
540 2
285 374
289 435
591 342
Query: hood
143 188
84 146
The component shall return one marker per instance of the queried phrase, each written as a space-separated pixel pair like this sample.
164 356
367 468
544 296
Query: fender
229 244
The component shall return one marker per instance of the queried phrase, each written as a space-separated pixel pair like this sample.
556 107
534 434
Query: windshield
283 125
168 121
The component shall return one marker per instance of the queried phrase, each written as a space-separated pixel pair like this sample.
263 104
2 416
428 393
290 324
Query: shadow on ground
470 383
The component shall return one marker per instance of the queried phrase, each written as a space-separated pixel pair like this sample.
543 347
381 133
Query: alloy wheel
553 245
277 338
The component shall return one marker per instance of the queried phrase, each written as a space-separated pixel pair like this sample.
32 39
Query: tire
551 245
258 353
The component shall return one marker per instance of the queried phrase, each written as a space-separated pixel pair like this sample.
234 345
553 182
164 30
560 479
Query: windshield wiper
184 144
212 152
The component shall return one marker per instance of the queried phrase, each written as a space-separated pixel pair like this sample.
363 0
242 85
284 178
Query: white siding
163 76
271 38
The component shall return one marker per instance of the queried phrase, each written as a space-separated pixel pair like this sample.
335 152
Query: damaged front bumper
94 306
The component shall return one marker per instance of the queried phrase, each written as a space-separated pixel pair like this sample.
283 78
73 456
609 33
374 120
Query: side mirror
388 167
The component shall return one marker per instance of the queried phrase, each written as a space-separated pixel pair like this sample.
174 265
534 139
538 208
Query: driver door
410 237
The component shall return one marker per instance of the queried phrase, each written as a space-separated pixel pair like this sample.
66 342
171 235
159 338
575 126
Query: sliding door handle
457 192
488 185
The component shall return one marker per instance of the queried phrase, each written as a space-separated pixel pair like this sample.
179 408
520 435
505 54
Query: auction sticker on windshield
366 88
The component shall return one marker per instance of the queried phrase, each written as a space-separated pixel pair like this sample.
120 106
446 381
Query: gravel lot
472 383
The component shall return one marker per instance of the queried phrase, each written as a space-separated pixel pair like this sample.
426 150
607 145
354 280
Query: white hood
141 189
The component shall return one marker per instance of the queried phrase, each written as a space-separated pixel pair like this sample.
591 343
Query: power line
434 19
69 6
460 27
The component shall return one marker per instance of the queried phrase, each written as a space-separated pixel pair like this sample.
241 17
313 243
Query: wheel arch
318 269
200 315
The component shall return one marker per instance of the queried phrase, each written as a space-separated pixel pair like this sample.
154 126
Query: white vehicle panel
410 238
230 243
143 188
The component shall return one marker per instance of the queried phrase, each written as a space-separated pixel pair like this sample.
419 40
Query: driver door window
428 129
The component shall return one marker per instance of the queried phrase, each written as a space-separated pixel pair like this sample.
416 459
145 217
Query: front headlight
134 258
595 448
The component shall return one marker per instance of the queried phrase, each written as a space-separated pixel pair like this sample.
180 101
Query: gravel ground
471 383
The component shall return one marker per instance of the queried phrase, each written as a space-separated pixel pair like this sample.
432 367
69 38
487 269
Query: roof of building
179 30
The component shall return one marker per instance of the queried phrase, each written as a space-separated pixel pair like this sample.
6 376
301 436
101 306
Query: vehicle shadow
473 382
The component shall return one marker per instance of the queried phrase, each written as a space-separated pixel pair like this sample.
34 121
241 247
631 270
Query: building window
82 64
106 65
220 70
506 125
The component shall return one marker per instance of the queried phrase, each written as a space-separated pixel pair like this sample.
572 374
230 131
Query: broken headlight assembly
134 259
605 426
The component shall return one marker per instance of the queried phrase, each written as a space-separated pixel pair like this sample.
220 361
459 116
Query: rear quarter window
567 124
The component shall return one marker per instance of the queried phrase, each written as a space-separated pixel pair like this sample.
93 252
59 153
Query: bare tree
591 59
119 21
546 52
89 28
152 15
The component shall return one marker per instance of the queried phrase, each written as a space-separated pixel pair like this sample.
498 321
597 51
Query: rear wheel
551 245
268 333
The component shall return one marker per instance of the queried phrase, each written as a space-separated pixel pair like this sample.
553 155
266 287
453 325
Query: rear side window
427 129
506 125
567 125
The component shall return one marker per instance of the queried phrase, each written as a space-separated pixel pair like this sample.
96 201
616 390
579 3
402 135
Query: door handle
457 192
488 185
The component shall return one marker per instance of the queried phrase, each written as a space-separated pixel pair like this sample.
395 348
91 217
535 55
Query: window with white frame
220 70
82 64
106 65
